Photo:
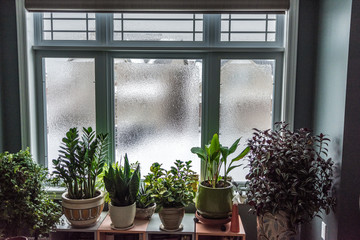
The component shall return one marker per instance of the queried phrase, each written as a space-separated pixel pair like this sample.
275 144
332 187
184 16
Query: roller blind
201 6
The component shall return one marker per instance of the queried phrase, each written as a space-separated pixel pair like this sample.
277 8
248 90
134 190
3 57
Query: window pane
158 27
246 94
248 27
70 98
157 115
68 26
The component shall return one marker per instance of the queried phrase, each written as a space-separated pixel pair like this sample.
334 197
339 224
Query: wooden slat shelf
148 230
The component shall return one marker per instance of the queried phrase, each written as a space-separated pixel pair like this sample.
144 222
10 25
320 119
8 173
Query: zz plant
171 188
122 183
80 161
289 172
214 156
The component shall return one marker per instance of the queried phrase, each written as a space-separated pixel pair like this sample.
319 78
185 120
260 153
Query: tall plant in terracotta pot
289 180
122 184
80 161
172 190
214 196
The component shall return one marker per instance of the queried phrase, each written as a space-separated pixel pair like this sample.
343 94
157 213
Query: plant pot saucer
118 228
171 230
212 221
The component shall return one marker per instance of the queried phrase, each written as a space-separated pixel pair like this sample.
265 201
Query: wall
306 63
9 86
348 201
330 81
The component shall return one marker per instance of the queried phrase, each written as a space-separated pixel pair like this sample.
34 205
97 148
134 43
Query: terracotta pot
122 217
82 212
171 218
276 227
145 213
214 202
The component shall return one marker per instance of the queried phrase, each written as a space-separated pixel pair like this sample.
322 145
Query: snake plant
122 183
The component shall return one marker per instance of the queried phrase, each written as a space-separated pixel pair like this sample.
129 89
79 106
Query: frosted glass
157 115
70 98
246 94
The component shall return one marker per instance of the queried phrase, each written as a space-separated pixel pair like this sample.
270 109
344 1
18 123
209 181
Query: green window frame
211 50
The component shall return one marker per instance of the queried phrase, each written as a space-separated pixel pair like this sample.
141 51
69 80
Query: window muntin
157 27
109 49
248 27
157 110
68 26
246 100
70 99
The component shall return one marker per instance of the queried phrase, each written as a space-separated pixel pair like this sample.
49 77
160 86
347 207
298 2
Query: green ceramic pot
214 202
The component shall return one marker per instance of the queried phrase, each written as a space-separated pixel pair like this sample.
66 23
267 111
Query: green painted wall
329 96
9 88
348 201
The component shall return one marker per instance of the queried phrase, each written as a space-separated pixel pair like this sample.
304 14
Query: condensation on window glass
69 26
157 27
157 110
246 96
70 99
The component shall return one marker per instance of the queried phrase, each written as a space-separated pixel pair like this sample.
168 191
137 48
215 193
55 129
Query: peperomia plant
122 183
289 172
214 155
25 206
80 161
171 188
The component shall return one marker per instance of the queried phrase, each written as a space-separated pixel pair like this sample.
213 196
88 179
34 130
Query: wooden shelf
215 230
148 230
139 229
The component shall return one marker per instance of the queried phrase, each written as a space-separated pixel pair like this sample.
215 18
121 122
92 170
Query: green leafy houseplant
122 184
290 173
25 207
172 190
81 161
214 196
214 156
144 199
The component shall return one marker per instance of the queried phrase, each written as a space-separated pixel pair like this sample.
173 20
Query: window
158 83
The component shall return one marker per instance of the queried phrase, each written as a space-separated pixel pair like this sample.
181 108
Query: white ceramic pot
122 217
83 212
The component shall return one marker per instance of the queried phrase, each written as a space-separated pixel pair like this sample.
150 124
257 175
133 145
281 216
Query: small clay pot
145 213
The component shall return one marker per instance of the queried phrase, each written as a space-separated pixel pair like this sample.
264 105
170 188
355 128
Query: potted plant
25 207
214 197
122 184
79 163
172 191
289 180
145 204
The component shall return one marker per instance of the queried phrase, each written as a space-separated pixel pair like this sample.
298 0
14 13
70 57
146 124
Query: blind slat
201 6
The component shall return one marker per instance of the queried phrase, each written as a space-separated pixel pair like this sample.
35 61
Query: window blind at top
202 6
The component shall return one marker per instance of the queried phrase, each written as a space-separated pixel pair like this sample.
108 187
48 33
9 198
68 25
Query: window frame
211 51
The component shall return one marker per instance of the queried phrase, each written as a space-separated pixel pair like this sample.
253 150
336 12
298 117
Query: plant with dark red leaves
290 172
